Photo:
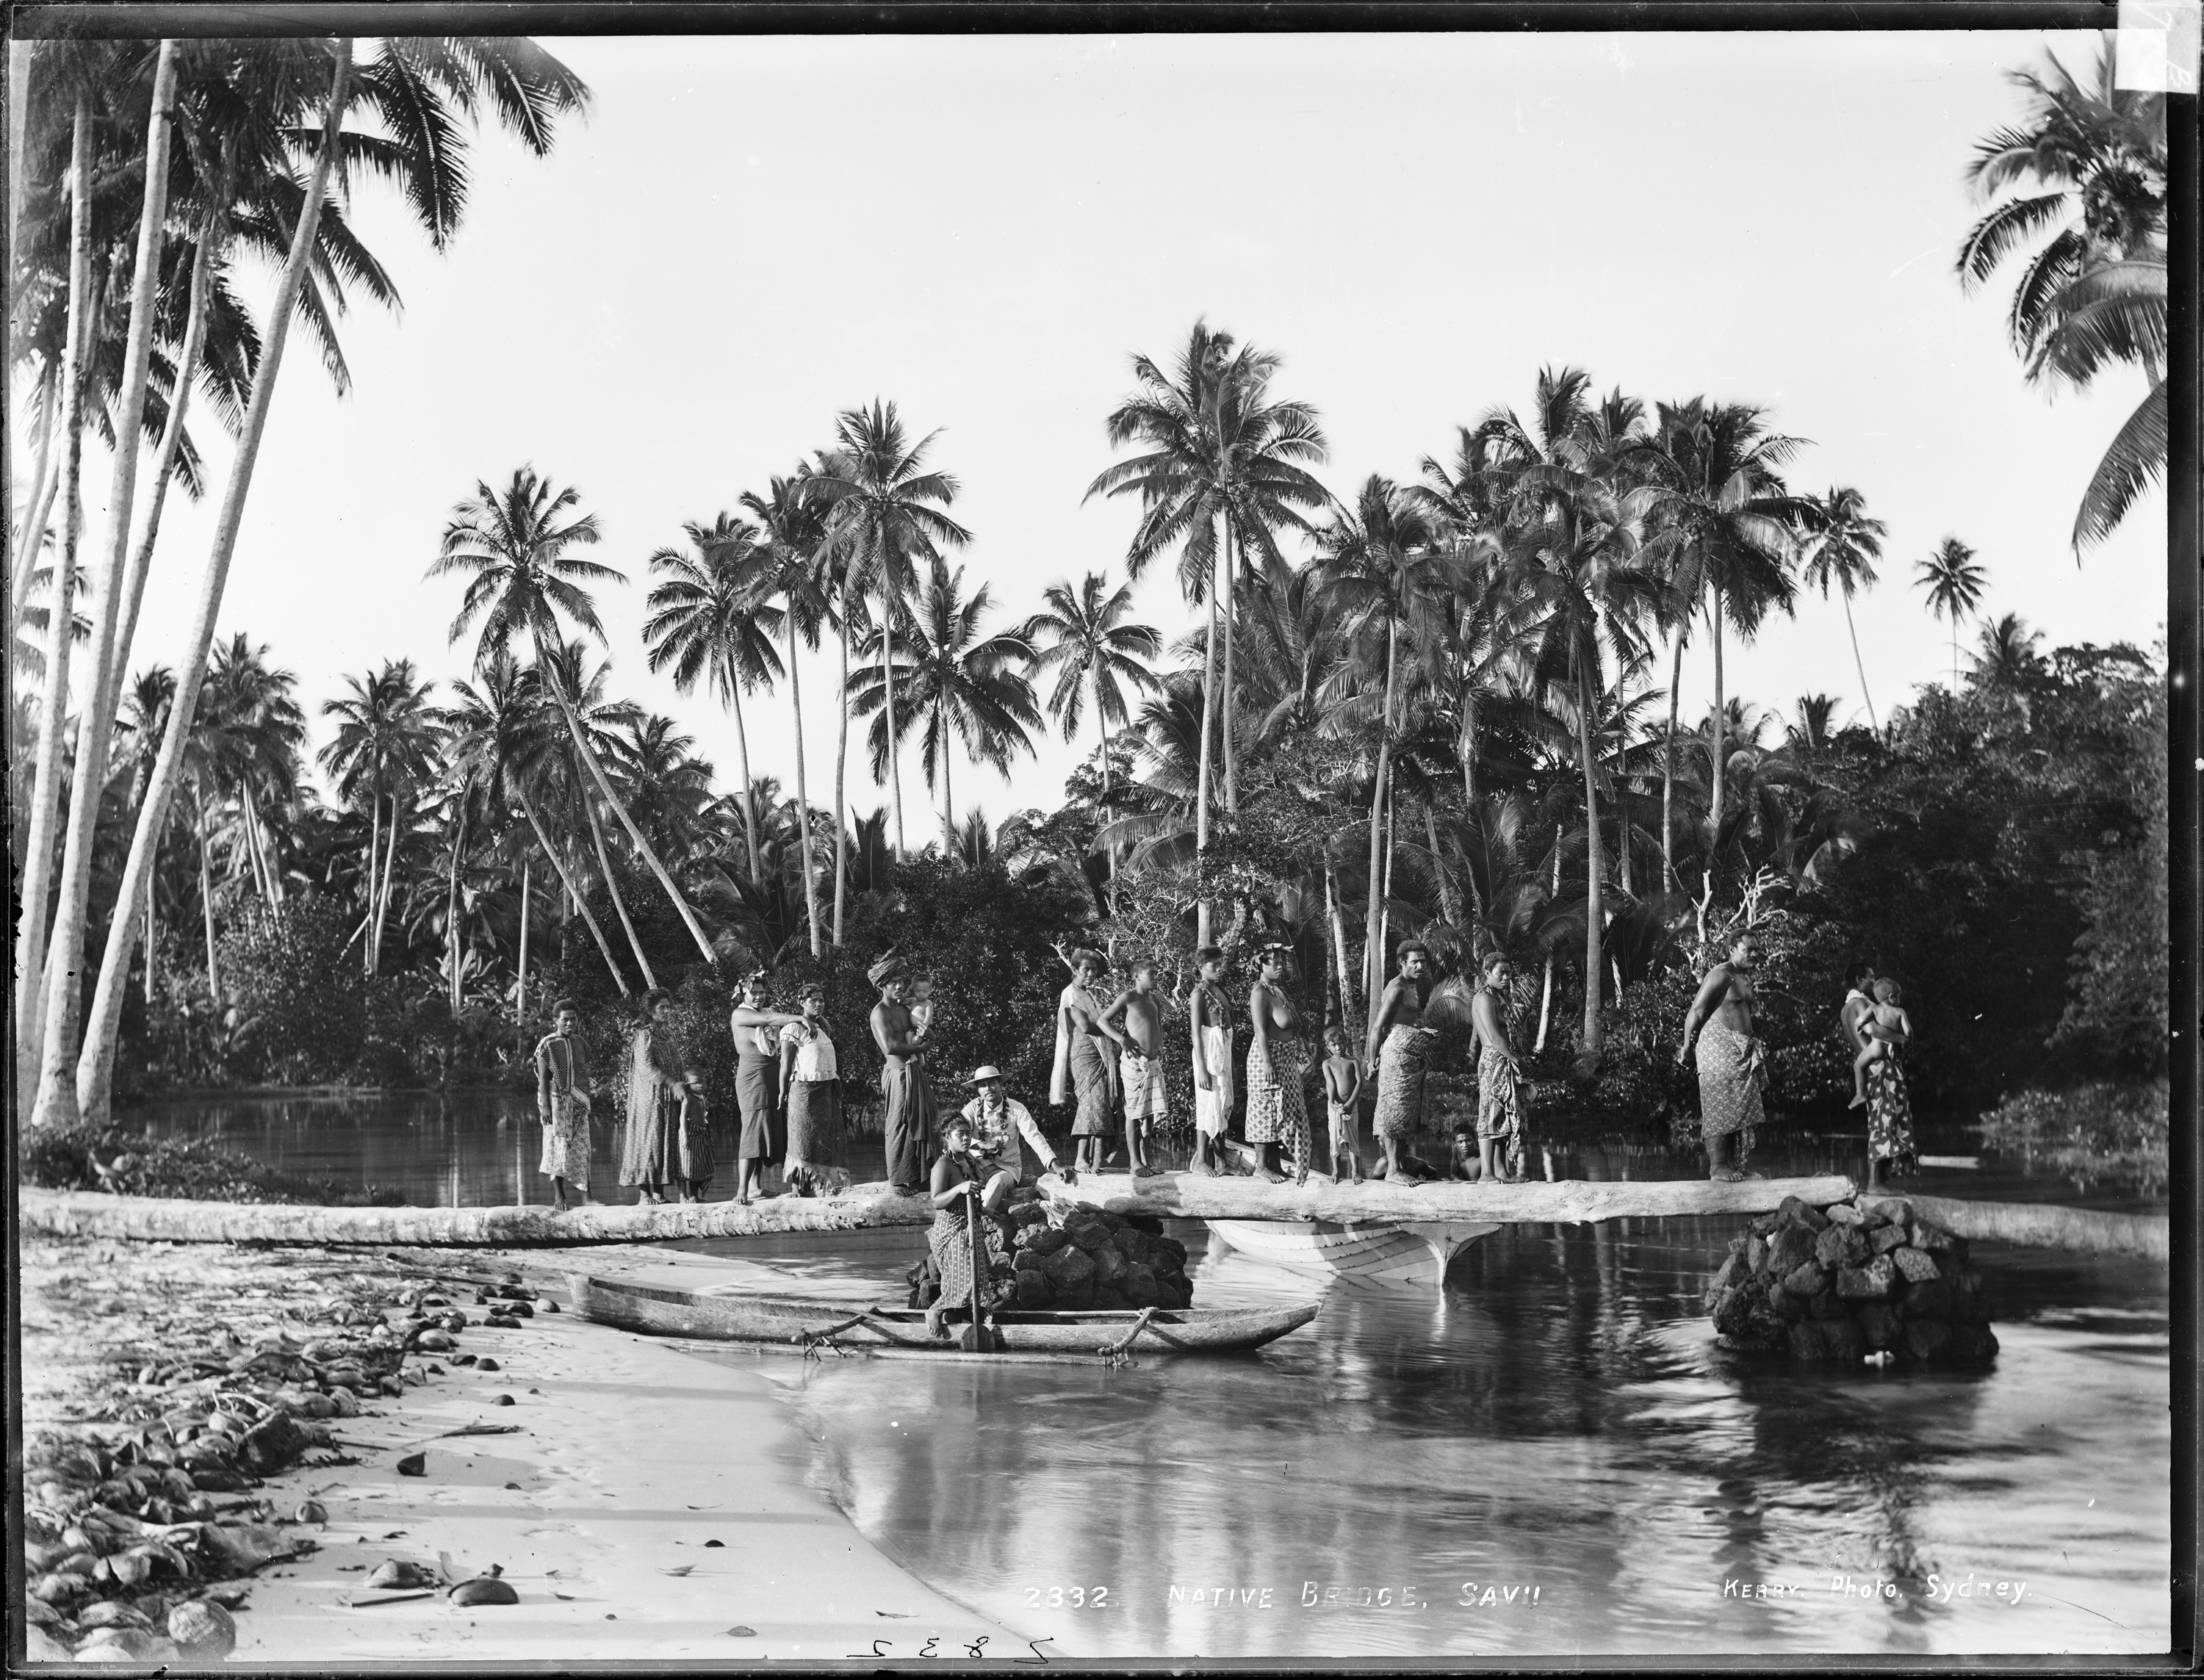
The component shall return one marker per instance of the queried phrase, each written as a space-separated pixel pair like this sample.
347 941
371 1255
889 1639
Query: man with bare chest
1732 1063
1138 1011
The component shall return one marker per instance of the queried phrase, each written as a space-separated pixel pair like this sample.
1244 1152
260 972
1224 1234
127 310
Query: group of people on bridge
1110 1064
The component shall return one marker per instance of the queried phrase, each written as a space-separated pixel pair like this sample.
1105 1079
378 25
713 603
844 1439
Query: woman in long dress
812 1079
958 1199
562 1102
660 1089
757 1094
1278 1112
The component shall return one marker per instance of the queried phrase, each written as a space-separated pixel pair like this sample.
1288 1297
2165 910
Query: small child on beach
1885 1025
1343 1087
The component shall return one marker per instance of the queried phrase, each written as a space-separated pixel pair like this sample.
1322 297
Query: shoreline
648 1500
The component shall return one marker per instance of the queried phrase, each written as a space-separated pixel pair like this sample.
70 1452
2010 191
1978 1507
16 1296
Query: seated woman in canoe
959 1193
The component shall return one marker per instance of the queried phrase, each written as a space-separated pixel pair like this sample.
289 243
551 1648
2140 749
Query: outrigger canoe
785 1319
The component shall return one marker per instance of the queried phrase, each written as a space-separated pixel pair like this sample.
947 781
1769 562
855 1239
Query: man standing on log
1209 1025
1733 1063
1499 1079
909 1121
1397 1045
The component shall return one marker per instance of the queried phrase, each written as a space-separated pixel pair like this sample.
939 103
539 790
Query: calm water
1549 1456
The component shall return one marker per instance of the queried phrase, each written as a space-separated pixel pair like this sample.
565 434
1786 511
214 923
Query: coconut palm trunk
1853 630
1546 989
95 1067
1594 887
802 794
452 906
382 898
574 893
948 819
53 715
841 768
206 905
164 464
1716 728
1337 912
1373 930
55 1104
1202 777
887 681
643 847
149 948
743 770
612 888
1228 736
520 992
1668 775
1102 732
38 507
368 880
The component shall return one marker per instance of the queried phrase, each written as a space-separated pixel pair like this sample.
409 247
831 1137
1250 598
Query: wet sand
629 1459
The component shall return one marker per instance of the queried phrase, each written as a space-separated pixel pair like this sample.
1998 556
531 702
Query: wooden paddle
978 1338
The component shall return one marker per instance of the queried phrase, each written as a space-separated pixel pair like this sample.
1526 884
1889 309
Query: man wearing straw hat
909 1123
998 1121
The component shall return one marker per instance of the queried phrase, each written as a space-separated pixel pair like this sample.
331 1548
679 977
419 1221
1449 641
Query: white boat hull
1408 1254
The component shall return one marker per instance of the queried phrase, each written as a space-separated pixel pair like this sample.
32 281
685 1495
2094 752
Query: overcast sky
749 235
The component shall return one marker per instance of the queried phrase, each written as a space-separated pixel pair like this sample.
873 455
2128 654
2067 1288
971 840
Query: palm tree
709 618
1382 573
1575 559
384 748
263 730
2086 174
792 531
500 745
1718 523
1953 584
1840 545
1095 653
2005 660
1219 460
883 516
523 579
960 684
598 720
415 85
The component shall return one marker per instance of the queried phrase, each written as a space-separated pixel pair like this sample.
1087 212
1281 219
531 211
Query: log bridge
1443 1217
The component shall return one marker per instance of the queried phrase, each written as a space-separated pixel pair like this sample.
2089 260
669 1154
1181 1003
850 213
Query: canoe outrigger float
794 1319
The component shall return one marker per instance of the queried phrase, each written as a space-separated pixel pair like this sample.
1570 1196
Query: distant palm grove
1438 702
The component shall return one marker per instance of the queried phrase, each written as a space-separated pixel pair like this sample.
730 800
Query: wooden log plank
92 1214
2047 1224
1197 1196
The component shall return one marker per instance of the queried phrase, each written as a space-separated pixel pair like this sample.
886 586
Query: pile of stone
1084 1259
1863 1279
146 1520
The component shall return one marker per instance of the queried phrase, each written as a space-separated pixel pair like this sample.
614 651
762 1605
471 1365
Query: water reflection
1547 1457
1557 1421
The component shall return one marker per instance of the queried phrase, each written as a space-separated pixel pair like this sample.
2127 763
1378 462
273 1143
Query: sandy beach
646 1503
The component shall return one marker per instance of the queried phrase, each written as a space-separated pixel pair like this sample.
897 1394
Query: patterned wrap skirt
1401 1083
814 1130
1278 1112
566 1139
1889 1109
950 1243
1500 1106
1090 1078
1733 1074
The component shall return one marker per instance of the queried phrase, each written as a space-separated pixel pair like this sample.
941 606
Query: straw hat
988 1071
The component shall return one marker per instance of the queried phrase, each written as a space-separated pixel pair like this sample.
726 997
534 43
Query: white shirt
999 1134
814 1052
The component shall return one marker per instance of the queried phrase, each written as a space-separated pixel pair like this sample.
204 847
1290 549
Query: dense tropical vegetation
1443 704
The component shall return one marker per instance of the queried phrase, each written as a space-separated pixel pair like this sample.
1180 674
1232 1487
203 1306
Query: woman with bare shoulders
1277 1113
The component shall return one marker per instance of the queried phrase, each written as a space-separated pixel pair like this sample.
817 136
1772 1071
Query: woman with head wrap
909 1121
757 1057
